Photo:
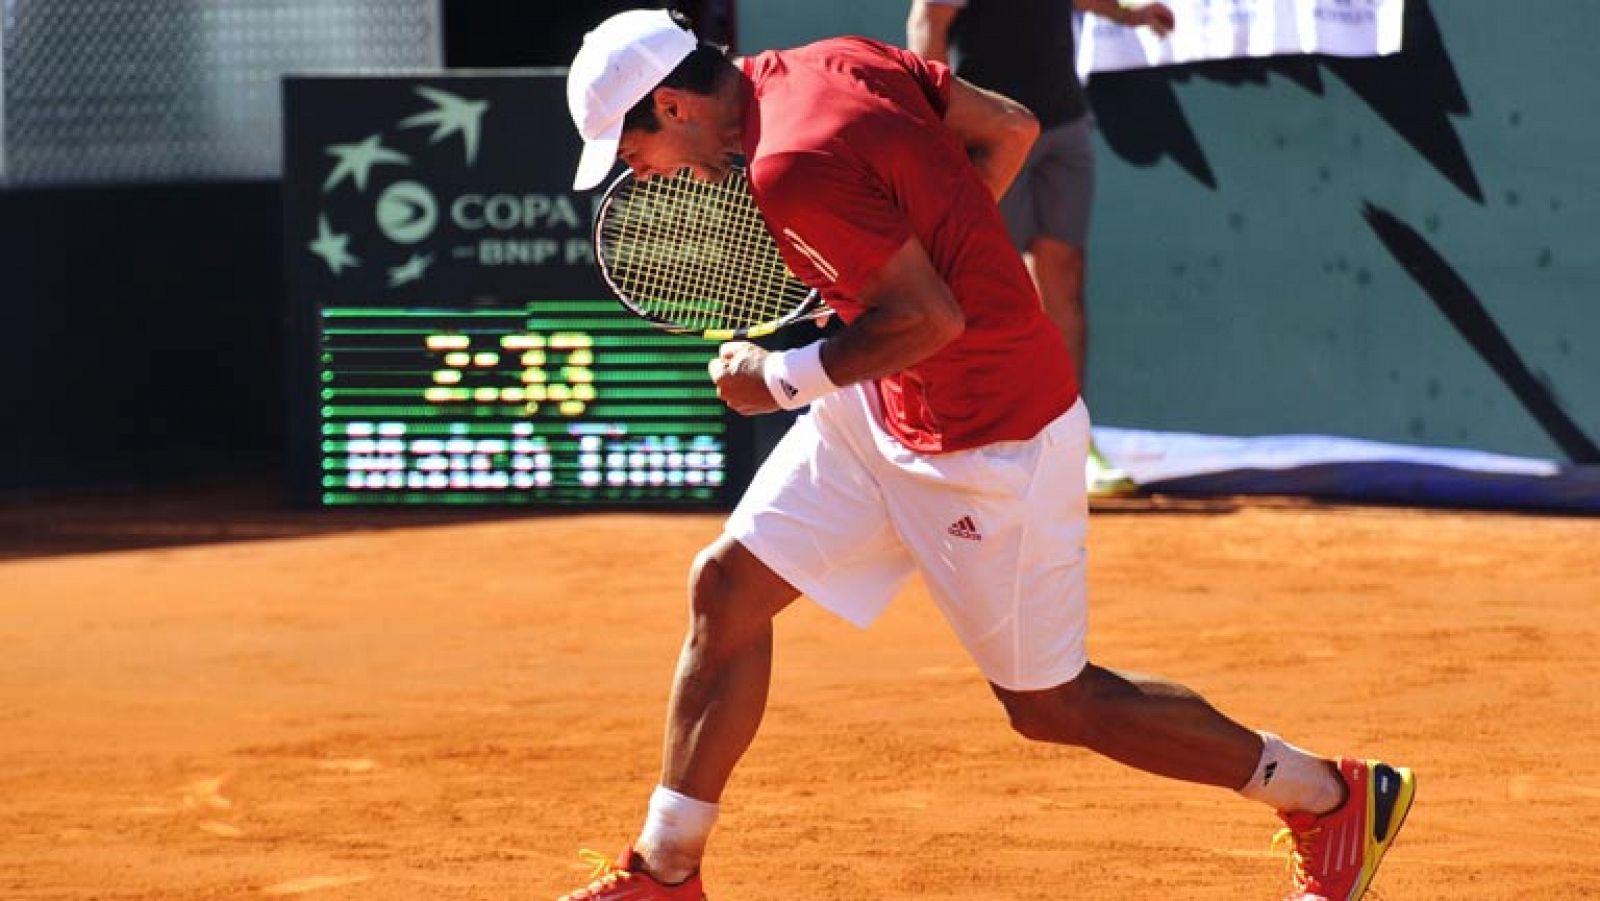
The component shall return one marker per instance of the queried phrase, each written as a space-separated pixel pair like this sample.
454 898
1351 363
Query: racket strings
698 254
766 283
716 275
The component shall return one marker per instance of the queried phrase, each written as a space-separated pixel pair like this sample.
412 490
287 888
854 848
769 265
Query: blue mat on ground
1324 466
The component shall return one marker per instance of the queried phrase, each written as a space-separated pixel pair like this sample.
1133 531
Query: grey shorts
1055 189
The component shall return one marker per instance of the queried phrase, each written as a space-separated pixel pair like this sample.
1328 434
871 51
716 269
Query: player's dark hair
699 73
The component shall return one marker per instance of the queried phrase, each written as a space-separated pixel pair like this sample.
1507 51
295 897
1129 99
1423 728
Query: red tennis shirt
848 157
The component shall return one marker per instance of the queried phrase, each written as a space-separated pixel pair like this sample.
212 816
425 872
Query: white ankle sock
675 832
1291 779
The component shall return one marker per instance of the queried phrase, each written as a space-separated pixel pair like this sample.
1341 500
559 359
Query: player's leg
1341 816
720 689
719 694
1017 597
811 521
1149 724
1011 583
1021 607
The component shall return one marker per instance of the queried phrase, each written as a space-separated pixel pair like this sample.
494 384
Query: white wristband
796 377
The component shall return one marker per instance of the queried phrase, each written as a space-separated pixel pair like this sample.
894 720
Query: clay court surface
347 707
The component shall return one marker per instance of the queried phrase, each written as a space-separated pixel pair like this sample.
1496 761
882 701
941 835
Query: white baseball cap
621 61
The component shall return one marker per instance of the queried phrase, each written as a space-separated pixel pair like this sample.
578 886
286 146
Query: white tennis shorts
845 513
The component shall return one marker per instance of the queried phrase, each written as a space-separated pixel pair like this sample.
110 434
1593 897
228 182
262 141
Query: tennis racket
695 257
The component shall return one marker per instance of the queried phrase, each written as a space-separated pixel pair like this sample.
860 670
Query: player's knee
717 621
709 591
1056 715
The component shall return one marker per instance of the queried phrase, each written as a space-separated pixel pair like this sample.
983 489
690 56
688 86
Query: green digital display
453 342
563 402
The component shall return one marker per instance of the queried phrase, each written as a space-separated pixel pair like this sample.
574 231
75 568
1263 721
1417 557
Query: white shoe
1104 479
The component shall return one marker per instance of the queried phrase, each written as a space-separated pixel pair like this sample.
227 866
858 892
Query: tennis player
945 436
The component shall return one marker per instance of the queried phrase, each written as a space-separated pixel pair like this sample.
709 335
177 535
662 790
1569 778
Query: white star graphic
333 248
357 160
452 115
412 271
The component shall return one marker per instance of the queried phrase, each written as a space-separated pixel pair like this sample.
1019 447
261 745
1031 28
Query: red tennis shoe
625 879
1336 855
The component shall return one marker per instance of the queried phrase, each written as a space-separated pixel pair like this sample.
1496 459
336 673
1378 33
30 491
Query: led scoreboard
561 402
453 343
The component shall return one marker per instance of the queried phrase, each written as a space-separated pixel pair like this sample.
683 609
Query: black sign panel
454 340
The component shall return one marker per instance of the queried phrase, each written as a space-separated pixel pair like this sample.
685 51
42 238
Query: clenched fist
737 373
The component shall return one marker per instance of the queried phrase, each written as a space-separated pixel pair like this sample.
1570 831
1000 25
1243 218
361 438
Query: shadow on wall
1461 305
1416 92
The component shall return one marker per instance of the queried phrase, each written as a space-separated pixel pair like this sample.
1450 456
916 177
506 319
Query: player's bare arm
928 30
997 131
910 315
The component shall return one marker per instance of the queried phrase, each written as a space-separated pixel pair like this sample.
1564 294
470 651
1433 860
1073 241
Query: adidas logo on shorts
965 528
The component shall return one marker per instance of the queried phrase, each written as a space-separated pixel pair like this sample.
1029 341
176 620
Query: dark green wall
145 335
1403 249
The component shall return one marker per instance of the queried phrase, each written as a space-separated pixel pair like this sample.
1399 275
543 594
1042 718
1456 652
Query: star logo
411 271
356 162
394 222
451 115
333 248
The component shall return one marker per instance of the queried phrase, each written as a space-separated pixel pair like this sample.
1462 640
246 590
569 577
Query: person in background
1023 49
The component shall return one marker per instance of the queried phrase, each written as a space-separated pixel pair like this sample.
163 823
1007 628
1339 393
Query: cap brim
599 155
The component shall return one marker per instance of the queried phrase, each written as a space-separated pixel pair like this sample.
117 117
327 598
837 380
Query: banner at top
1235 29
